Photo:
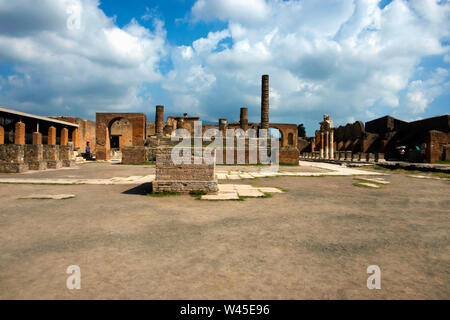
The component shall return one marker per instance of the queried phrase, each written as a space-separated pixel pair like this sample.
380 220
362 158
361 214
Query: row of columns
327 144
19 136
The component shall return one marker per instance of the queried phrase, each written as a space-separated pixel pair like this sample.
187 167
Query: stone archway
289 134
104 121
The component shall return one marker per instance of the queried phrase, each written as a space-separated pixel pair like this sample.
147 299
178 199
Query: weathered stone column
327 142
76 137
2 135
159 121
51 136
244 119
265 103
331 144
64 137
37 138
223 126
321 145
19 133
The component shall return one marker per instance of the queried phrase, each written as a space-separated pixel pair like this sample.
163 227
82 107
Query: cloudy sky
352 59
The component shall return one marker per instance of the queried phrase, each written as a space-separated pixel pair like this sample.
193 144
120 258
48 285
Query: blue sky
351 59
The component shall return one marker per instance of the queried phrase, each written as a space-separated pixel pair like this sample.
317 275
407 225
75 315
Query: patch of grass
197 194
443 162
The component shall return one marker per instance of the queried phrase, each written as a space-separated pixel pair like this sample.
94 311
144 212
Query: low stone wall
51 156
133 154
183 178
66 156
289 156
12 158
34 157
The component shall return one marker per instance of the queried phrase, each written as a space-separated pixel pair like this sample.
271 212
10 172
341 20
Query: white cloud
97 67
421 93
250 10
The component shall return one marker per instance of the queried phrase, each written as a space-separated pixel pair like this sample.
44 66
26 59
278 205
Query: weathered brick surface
34 157
183 178
64 137
12 158
103 122
52 136
51 156
133 154
19 133
289 155
66 156
37 138
436 141
2 135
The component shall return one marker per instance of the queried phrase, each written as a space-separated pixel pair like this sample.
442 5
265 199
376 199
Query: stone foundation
183 178
65 155
51 156
289 156
34 157
12 158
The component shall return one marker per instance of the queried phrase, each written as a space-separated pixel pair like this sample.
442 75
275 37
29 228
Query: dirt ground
313 242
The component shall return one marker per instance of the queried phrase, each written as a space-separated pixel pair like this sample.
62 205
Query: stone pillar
244 119
19 133
2 135
332 144
159 121
327 142
265 103
37 138
180 123
76 137
51 136
64 136
321 145
223 126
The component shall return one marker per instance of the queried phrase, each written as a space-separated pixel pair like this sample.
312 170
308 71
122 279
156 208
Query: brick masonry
12 158
183 178
19 133
34 157
51 156
2 135
289 156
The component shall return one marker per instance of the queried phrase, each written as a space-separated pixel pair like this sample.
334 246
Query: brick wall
183 178
436 142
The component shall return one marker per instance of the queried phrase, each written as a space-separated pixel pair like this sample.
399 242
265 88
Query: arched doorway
121 133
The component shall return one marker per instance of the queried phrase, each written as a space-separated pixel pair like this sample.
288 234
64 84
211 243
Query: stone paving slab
375 180
48 197
254 193
222 196
370 185
270 190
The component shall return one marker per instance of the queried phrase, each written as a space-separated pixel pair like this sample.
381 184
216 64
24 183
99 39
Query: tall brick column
2 135
327 142
37 138
51 136
64 137
76 137
223 126
19 133
265 103
244 119
159 121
